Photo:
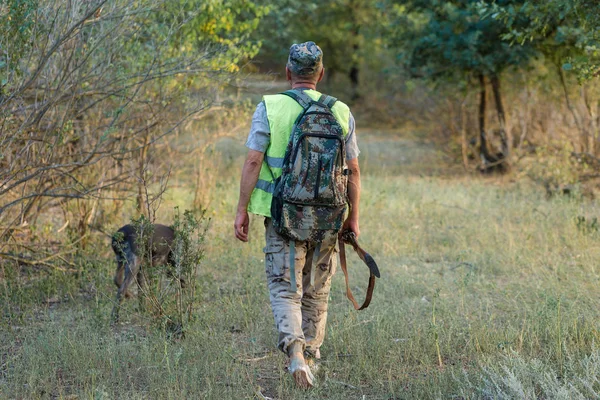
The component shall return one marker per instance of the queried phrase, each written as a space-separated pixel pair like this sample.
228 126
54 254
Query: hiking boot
301 372
298 368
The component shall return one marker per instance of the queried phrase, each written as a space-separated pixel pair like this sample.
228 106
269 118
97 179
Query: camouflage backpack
309 200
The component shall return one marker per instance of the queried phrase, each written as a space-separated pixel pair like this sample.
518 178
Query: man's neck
304 85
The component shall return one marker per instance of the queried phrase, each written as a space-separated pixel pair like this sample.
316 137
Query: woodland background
479 127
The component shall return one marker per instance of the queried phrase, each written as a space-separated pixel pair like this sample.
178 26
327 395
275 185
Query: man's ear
321 75
288 74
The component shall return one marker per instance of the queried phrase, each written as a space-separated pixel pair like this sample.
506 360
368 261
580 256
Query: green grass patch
488 290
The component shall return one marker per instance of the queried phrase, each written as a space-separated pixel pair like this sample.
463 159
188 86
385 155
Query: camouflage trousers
300 313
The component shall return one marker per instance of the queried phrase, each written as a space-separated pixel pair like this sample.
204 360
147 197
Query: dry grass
489 277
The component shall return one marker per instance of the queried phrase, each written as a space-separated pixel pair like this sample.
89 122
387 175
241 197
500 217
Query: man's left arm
353 197
352 153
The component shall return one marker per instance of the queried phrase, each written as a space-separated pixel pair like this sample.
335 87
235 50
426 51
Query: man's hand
351 224
242 221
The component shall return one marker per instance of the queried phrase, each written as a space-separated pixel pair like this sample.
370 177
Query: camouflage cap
305 58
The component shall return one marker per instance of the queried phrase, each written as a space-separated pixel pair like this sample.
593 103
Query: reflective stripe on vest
267 186
275 162
282 112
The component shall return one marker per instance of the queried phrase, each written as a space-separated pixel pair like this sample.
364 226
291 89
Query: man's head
305 63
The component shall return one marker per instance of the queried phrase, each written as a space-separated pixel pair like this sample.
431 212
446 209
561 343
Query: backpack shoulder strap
329 101
301 98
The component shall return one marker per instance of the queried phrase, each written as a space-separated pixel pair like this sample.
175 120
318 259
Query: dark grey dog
130 254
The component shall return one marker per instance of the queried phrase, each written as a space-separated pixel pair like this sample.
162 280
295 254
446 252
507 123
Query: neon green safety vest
282 112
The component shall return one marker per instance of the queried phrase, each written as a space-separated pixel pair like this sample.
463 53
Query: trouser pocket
274 260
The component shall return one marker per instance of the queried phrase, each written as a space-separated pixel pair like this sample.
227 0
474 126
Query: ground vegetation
137 112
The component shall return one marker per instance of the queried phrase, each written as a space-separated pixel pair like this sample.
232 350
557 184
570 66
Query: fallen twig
343 384
472 267
43 261
255 359
262 396
357 324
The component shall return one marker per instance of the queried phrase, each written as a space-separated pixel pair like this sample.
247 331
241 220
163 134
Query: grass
488 291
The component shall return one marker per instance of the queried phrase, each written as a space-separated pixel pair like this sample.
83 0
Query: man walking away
294 153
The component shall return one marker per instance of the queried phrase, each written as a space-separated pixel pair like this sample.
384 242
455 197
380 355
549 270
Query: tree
88 88
350 32
450 41
567 33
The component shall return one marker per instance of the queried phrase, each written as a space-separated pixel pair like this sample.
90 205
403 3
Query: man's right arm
250 173
257 143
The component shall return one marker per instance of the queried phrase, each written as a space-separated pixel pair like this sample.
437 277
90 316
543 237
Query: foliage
90 89
221 27
449 40
171 292
188 250
17 19
351 33
566 31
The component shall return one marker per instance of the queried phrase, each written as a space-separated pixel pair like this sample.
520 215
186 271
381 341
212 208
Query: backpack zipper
319 166
319 112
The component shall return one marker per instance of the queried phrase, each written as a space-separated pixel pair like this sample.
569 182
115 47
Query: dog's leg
122 248
120 274
118 280
130 272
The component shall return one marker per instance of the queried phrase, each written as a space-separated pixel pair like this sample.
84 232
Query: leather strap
371 286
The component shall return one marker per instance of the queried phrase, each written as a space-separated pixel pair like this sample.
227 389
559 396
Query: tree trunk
593 118
354 78
142 200
463 133
483 146
354 69
490 162
505 136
